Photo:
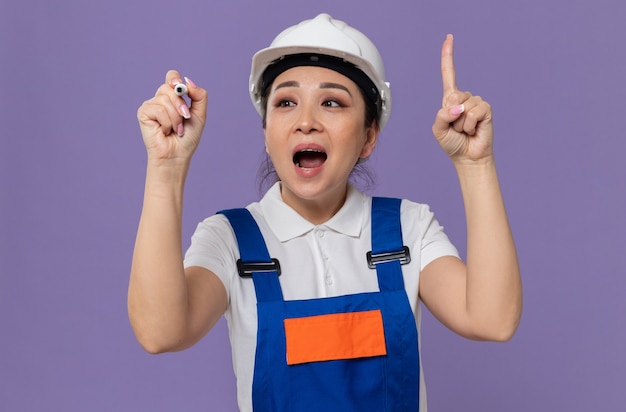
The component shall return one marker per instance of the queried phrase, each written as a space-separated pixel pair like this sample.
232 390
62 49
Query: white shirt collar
287 224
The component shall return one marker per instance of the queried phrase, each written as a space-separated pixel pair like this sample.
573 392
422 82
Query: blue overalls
346 353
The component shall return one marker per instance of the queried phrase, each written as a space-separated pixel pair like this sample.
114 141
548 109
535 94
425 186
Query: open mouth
309 158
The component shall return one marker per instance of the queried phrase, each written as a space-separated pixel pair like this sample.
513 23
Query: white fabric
316 260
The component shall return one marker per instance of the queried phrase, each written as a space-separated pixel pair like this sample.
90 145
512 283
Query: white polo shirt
317 261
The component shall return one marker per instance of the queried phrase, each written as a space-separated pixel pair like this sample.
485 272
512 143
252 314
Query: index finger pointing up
448 74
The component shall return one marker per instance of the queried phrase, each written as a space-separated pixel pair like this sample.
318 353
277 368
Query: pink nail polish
456 110
190 82
180 130
184 110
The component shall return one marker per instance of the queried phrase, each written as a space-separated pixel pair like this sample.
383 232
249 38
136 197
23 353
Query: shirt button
320 233
329 280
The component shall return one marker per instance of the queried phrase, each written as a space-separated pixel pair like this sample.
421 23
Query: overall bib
347 353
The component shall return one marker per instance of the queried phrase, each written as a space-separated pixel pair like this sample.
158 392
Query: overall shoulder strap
254 259
388 251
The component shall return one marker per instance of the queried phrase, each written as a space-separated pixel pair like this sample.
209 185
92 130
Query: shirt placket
321 240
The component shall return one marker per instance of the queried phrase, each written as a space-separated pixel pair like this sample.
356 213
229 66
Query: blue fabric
387 237
249 238
382 383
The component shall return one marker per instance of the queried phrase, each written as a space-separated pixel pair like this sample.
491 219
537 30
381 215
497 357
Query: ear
265 140
371 138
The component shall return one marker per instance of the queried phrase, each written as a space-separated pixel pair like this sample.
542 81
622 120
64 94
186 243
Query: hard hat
324 36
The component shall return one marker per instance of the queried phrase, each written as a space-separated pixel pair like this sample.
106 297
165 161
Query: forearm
494 291
157 294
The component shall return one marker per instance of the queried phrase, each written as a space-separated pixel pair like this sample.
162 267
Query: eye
285 103
332 103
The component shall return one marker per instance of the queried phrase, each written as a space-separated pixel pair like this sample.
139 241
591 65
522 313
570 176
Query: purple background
72 167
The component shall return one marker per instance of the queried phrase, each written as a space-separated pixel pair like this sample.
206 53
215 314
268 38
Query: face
315 133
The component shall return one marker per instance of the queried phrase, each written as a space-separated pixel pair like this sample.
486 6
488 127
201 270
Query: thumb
445 116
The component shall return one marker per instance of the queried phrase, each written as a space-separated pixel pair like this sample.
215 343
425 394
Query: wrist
478 166
477 173
165 178
171 169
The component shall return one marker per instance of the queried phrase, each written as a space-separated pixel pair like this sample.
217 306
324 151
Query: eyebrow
325 85
335 86
290 83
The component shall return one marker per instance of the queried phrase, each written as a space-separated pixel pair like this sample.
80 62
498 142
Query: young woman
319 282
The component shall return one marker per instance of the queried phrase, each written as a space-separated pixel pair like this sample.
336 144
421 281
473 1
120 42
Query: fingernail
190 82
176 81
180 130
184 110
456 110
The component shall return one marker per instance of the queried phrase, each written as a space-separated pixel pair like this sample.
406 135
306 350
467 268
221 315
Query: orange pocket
335 336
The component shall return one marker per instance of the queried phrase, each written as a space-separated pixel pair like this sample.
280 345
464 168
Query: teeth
310 151
302 154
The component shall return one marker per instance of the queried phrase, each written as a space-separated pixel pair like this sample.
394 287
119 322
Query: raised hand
463 126
171 130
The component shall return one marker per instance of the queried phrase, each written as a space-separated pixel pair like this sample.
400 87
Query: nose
308 119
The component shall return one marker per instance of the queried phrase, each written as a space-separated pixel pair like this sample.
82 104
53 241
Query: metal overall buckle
246 269
404 256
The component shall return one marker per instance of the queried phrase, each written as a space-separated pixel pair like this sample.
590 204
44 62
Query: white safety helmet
324 36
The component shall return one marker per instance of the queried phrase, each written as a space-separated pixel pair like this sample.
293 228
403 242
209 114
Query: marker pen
180 89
